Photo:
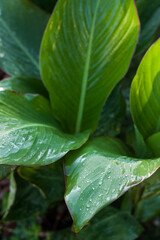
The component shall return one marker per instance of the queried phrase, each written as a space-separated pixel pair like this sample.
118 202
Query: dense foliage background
32 202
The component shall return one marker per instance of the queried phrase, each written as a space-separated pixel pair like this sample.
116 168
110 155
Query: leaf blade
145 98
22 26
29 134
86 60
99 173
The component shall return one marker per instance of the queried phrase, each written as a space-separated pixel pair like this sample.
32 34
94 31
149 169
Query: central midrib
85 74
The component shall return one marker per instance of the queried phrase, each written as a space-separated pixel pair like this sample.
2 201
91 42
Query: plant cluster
71 123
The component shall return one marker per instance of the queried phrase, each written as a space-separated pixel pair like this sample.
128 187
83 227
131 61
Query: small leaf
86 50
99 173
21 29
5 170
49 180
112 224
24 200
29 134
23 85
145 96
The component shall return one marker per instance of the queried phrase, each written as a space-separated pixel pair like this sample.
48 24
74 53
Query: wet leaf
29 134
99 173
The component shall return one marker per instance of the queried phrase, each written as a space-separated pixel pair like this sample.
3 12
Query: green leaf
5 170
99 173
86 50
145 97
149 13
29 134
49 180
24 200
46 5
149 205
112 115
112 224
21 29
23 85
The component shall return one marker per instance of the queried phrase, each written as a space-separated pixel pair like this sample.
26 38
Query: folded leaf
49 180
112 224
86 50
24 200
145 96
29 134
23 85
21 29
98 174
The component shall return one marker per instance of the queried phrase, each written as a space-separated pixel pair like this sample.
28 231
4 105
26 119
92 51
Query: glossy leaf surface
21 29
24 200
98 174
86 50
112 224
49 180
23 85
29 134
145 95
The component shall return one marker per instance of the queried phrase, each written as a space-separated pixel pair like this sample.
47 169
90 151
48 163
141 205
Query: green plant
62 107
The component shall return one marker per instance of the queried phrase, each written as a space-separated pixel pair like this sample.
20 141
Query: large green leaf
45 4
86 50
49 180
23 85
29 134
24 200
98 174
21 29
112 224
145 95
149 13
